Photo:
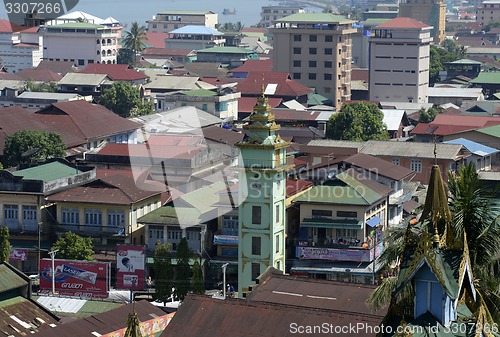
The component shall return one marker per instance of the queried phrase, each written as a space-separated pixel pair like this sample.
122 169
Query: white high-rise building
20 47
399 61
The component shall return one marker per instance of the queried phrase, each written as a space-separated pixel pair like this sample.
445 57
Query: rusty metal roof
9 279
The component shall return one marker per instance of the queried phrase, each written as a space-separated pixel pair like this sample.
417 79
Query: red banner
130 262
75 278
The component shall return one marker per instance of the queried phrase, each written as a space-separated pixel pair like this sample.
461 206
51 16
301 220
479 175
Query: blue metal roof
476 148
374 221
196 30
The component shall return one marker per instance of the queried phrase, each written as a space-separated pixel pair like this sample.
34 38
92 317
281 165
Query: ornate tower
262 190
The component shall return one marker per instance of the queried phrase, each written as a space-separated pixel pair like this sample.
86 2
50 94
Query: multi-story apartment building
80 42
399 61
194 37
315 48
167 21
430 12
488 11
271 13
20 47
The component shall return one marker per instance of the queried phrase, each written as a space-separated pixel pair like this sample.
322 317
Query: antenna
435 149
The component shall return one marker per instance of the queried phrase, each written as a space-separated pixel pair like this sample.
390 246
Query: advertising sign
18 255
334 254
152 328
76 278
130 261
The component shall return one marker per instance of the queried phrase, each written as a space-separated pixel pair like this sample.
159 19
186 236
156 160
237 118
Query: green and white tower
262 192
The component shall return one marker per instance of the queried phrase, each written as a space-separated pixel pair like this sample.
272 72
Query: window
321 213
256 245
29 212
204 107
81 62
156 233
230 225
297 63
395 161
255 271
347 214
277 213
70 216
313 38
328 38
116 218
296 76
328 64
297 37
10 214
416 165
297 50
256 215
312 64
313 51
312 76
327 77
328 51
277 243
93 218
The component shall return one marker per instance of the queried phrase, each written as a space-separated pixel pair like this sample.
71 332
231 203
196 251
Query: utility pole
224 266
52 256
39 248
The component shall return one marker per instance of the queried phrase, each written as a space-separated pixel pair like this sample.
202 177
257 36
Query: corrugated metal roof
60 304
411 149
10 280
335 143
83 79
392 118
315 18
476 148
196 29
491 131
47 172
455 92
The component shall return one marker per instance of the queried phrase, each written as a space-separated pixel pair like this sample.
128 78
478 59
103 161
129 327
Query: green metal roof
366 193
47 172
200 93
375 21
77 25
227 50
332 223
487 78
464 61
185 12
10 280
314 18
317 99
338 195
491 131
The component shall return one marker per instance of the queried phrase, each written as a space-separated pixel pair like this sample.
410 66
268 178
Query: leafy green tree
427 116
197 283
182 283
358 121
124 99
492 24
164 272
449 52
30 85
32 146
74 247
125 56
134 39
4 244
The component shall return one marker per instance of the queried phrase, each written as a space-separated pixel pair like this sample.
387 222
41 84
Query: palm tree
134 39
474 214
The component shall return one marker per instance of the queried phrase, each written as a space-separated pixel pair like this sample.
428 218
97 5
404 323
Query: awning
410 205
374 221
332 223
228 240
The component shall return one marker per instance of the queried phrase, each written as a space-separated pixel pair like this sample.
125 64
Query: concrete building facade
82 43
20 48
488 11
399 61
316 49
430 12
166 21
270 13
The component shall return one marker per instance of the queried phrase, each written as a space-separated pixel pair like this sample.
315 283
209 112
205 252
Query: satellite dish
331 175
317 132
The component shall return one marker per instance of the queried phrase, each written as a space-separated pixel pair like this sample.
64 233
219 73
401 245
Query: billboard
336 254
76 278
130 261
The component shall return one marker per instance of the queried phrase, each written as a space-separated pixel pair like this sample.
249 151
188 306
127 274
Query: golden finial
435 237
262 89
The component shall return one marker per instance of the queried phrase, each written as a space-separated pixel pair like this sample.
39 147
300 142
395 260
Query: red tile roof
9 27
153 152
286 87
42 75
359 75
157 40
9 76
117 72
254 65
246 104
379 166
294 186
446 124
60 67
221 135
254 30
78 121
402 22
117 189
